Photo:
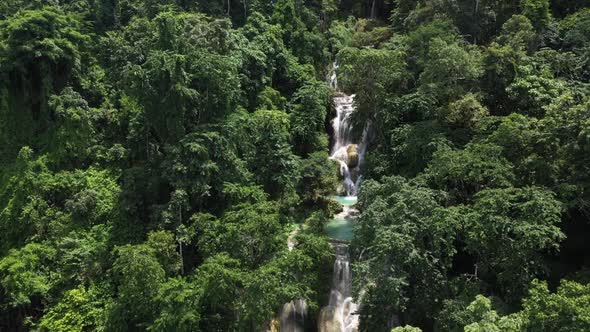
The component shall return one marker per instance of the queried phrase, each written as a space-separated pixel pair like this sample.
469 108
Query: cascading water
340 314
350 155
293 316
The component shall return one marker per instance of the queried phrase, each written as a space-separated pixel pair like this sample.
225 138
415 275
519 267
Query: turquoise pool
341 226
345 200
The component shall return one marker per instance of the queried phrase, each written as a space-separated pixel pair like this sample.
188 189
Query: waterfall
349 154
293 316
341 313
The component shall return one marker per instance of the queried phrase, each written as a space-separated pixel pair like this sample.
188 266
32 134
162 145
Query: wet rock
353 155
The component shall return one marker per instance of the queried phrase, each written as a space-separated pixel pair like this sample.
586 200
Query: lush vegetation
155 155
475 217
154 158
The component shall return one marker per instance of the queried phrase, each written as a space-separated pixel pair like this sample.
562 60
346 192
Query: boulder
352 151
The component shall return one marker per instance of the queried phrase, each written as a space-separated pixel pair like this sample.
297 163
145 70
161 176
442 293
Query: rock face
352 150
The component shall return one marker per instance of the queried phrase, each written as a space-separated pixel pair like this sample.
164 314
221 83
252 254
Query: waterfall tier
341 313
348 154
293 316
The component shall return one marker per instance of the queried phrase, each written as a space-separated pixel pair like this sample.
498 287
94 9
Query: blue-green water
345 200
340 229
341 226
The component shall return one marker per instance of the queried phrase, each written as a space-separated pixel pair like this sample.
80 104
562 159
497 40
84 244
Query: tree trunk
180 244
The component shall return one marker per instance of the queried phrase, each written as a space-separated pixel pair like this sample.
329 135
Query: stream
340 315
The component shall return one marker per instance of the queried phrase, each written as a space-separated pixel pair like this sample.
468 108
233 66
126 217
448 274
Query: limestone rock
353 155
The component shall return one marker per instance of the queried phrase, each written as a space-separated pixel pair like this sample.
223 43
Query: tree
221 278
466 112
480 311
406 240
463 173
43 51
272 285
24 274
319 177
451 69
534 88
507 230
164 246
406 328
308 113
80 309
179 300
270 154
565 310
248 232
538 12
73 132
371 74
138 275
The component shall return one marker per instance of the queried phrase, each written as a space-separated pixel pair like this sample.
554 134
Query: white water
293 316
341 313
349 154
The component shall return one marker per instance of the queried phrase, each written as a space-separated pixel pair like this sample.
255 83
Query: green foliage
164 246
42 37
79 310
564 310
466 112
73 132
507 230
463 173
248 233
534 88
308 116
271 156
84 256
275 282
43 50
518 32
220 278
271 99
451 69
538 12
25 275
371 74
406 328
487 319
319 177
138 275
179 301
574 29
409 238
155 155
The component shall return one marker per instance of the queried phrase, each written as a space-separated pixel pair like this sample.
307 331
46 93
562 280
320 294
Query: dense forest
157 157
